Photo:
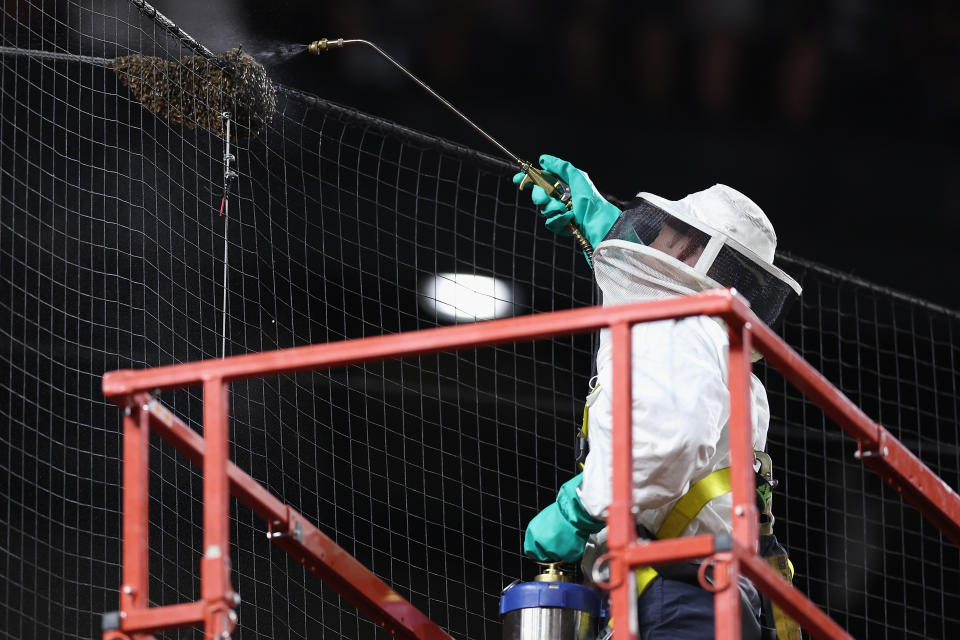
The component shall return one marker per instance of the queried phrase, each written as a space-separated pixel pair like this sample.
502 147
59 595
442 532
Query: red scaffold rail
131 389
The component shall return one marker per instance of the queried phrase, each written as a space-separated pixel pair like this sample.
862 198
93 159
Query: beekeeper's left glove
559 533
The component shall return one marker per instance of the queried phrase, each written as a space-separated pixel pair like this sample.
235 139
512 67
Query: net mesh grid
425 469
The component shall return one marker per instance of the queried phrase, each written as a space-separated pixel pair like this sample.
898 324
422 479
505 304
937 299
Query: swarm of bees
196 91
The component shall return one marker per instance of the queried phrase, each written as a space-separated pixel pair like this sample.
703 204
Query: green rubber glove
591 212
559 532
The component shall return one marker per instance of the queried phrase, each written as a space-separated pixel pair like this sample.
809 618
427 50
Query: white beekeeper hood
738 247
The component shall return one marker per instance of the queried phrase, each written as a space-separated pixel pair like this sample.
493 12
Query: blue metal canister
549 610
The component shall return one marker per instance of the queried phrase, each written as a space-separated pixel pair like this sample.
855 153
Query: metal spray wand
550 183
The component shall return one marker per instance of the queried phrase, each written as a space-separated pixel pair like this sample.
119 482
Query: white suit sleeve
680 409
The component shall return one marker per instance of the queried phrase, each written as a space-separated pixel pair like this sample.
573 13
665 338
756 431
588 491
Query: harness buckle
766 468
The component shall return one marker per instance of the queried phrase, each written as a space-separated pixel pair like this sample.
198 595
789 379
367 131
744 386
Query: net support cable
878 449
168 25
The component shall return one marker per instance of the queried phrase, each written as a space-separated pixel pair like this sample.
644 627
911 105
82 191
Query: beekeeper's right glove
559 533
590 211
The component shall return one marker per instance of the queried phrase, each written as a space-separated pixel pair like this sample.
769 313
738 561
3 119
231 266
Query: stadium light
465 297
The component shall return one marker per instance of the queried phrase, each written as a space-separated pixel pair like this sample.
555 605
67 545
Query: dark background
838 117
427 471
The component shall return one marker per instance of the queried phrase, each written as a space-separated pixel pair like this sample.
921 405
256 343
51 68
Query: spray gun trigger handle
561 191
550 183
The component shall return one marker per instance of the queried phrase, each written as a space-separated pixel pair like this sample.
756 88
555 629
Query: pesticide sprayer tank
554 610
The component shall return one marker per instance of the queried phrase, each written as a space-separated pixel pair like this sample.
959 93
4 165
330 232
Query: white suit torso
680 403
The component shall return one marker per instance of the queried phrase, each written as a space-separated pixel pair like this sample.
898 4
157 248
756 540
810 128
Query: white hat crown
734 215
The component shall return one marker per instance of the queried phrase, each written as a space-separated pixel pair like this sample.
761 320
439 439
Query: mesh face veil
710 239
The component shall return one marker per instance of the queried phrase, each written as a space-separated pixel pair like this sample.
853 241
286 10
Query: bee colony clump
195 91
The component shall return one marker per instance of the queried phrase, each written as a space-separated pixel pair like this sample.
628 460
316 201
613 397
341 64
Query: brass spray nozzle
323 44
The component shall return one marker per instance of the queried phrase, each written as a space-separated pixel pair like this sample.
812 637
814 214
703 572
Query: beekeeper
657 248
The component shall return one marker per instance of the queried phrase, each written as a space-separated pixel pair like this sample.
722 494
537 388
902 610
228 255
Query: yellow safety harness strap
645 576
584 429
683 512
687 507
787 627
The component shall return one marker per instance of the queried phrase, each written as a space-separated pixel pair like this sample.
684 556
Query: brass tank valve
555 572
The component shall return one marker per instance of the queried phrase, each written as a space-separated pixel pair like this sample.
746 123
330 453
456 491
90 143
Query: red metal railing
129 389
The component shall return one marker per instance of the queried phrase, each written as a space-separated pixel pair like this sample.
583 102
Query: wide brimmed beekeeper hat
740 244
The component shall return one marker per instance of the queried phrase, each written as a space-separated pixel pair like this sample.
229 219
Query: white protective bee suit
680 396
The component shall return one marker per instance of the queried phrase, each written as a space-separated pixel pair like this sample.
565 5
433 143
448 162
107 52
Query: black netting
112 255
872 562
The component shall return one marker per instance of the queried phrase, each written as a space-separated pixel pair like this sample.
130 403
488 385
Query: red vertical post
622 527
136 502
744 514
215 589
